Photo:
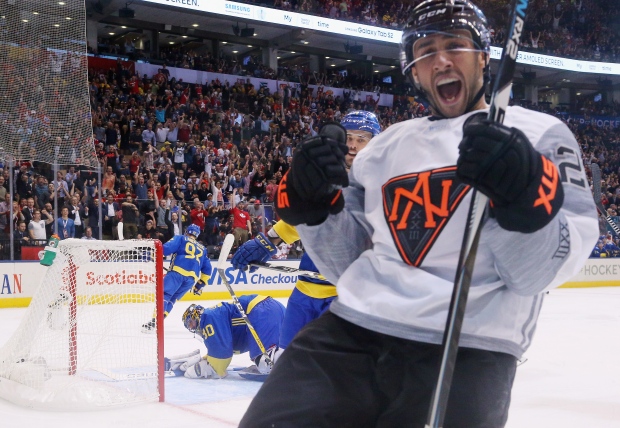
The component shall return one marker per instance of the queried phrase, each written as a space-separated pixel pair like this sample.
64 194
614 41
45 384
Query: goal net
45 107
81 343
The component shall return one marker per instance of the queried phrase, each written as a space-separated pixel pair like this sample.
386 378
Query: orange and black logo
282 193
418 206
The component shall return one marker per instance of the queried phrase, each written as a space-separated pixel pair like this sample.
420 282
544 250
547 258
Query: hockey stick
221 266
288 269
473 227
596 191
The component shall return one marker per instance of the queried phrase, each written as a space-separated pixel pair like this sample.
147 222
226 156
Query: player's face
356 141
192 324
449 70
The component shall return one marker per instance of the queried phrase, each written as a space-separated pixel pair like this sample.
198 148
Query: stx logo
513 44
548 185
418 206
282 201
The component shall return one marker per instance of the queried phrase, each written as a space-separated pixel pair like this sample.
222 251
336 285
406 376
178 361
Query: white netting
44 106
81 344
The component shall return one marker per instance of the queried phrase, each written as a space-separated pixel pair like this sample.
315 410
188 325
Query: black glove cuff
537 205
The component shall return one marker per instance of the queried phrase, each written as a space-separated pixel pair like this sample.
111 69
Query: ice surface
571 378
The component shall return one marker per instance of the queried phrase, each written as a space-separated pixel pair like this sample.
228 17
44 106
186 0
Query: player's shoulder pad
532 123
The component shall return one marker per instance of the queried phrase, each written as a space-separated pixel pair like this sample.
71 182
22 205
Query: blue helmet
193 230
360 120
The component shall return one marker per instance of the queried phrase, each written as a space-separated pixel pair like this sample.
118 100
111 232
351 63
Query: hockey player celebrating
225 332
390 241
190 268
310 297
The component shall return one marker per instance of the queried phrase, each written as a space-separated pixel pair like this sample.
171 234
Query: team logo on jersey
418 206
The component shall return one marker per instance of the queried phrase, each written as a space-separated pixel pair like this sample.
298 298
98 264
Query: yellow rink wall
19 281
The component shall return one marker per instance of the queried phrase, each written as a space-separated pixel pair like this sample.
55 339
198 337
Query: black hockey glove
310 190
523 185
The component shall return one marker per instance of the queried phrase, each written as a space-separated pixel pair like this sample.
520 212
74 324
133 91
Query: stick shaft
221 269
471 237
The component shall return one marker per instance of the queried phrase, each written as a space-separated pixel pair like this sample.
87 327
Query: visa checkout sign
351 29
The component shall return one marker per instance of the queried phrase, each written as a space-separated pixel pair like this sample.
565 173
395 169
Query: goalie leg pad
202 369
194 359
173 364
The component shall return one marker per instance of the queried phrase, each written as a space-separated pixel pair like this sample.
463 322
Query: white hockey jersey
393 251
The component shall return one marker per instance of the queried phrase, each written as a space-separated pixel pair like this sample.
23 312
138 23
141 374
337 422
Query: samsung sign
367 32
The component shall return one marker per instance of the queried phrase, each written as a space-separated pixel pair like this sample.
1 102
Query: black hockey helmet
440 16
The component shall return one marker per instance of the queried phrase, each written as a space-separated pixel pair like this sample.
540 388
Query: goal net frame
41 365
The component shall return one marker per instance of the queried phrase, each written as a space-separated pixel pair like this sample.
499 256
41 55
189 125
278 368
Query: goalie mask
191 317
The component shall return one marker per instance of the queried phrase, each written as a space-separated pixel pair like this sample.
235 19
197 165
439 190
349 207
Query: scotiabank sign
120 278
123 274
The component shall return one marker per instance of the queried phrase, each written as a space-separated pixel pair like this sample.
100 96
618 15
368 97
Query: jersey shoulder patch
418 206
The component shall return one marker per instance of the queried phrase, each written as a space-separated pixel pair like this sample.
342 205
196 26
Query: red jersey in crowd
240 218
198 217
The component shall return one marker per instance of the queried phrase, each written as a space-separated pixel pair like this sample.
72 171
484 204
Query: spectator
242 226
78 213
28 210
109 211
65 226
5 211
36 227
3 188
131 215
148 137
21 238
256 209
109 180
88 234
161 134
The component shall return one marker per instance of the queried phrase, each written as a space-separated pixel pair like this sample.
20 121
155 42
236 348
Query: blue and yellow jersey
224 331
316 288
190 258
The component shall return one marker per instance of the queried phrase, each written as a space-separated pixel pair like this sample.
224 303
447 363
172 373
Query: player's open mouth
449 89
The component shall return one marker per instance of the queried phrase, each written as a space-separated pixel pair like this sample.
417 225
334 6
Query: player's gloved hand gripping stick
311 189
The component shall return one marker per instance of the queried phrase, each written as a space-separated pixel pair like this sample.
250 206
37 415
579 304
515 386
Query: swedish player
310 297
225 333
190 269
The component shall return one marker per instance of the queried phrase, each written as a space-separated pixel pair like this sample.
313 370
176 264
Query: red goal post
80 344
